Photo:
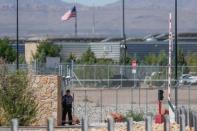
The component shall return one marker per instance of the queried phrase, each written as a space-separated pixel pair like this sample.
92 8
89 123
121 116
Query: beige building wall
30 50
47 93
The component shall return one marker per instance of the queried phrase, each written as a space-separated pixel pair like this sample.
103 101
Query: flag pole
76 31
93 17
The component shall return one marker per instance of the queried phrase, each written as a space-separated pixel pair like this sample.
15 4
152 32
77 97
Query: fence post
14 125
178 116
35 67
50 125
116 100
146 100
95 75
131 98
195 124
84 77
148 123
59 70
110 124
193 119
101 99
183 112
108 75
190 118
84 124
182 122
86 102
130 124
167 123
121 71
139 97
189 96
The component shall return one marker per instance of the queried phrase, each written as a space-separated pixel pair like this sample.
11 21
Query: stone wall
47 91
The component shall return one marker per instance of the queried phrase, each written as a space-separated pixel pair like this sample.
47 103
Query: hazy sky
90 2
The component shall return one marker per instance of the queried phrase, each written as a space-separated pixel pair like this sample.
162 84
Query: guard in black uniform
67 101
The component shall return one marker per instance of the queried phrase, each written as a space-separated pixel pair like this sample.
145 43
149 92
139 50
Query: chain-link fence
97 104
101 89
120 76
109 76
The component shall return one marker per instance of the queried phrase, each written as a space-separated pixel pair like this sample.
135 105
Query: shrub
2 117
17 100
6 51
46 49
135 115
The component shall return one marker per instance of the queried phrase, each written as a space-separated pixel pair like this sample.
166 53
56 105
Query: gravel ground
96 114
97 103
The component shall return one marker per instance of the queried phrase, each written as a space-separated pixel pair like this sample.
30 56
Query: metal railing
184 118
84 126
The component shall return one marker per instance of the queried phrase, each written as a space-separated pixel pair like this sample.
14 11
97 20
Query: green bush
6 51
17 100
135 115
46 49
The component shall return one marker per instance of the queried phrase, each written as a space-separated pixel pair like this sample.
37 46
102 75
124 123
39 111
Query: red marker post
134 66
134 71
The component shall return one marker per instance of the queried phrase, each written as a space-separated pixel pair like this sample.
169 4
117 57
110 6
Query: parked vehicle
186 79
193 79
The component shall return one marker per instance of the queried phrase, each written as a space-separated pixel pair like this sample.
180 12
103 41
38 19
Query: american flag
69 14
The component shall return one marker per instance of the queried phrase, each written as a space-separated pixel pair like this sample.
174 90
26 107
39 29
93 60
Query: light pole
176 57
93 17
17 37
123 44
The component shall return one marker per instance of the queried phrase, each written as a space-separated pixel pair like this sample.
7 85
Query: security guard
67 101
